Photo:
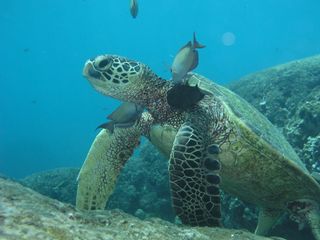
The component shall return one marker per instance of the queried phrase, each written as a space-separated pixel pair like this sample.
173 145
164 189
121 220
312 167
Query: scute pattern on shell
253 119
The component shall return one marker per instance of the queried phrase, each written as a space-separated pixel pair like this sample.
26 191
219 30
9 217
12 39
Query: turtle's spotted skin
117 70
219 141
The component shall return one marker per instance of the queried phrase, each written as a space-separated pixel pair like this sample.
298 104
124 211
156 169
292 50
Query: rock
58 183
140 214
25 215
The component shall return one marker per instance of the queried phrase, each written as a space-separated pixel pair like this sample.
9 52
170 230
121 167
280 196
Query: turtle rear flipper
267 218
194 179
313 218
306 210
107 155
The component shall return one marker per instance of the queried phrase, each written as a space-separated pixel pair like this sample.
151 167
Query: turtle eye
103 64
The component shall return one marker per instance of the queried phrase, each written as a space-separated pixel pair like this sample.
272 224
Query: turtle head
120 78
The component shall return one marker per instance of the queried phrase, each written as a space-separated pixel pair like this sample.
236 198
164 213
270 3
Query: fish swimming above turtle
221 141
185 60
134 8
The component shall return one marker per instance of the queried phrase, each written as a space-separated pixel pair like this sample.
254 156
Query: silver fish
134 8
124 116
186 60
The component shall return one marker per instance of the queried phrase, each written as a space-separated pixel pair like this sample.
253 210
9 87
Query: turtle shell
252 118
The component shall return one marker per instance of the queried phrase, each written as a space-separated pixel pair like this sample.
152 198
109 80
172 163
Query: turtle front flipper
194 178
105 159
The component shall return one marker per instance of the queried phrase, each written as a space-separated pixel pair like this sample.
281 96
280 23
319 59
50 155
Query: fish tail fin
108 125
196 44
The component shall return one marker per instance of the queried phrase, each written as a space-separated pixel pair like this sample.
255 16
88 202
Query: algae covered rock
25 215
58 183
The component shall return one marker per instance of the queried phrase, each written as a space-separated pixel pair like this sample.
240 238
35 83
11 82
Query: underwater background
49 112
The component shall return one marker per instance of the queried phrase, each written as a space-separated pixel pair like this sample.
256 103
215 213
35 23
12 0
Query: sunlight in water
228 39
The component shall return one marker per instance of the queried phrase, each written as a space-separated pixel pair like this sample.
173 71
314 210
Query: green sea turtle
219 140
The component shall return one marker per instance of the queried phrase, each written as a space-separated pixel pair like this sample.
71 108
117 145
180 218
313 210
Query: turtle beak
94 76
89 71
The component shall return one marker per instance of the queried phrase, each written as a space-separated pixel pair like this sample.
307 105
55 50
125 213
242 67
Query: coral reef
58 184
25 214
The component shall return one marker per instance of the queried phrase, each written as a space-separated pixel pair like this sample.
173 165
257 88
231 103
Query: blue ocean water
49 112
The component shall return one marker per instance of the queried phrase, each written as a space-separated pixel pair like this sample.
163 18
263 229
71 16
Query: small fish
182 96
124 116
186 60
126 112
111 125
134 8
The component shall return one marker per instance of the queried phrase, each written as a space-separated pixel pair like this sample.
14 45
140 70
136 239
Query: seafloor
26 214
